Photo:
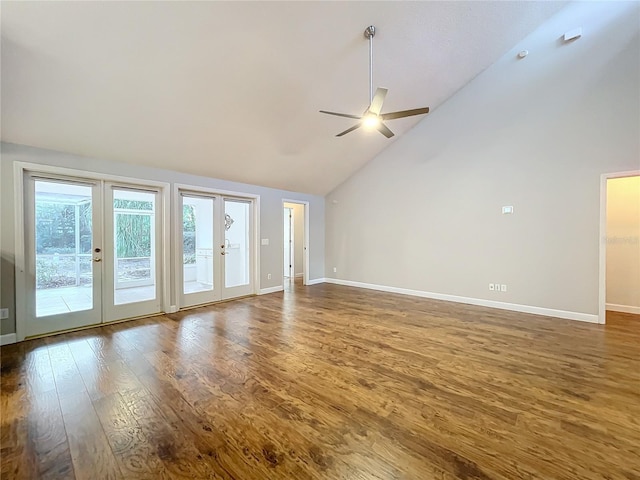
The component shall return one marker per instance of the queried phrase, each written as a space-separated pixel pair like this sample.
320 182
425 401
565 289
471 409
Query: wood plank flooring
326 382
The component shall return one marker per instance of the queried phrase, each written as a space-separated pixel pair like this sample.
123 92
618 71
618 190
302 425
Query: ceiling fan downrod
369 33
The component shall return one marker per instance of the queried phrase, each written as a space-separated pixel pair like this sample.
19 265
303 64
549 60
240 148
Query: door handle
221 253
97 259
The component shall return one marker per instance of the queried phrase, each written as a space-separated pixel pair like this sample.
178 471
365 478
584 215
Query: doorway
620 246
295 242
289 245
91 252
217 247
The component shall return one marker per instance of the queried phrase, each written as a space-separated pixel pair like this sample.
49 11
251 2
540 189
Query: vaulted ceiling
232 89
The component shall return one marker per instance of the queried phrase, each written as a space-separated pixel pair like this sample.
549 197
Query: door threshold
87 327
216 302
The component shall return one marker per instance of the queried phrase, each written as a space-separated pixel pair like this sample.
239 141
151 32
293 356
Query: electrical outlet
335 269
503 288
492 287
268 276
4 313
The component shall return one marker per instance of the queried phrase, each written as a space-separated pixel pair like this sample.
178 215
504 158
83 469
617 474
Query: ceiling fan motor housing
370 31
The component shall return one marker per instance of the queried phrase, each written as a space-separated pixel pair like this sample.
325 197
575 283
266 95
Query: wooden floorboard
326 382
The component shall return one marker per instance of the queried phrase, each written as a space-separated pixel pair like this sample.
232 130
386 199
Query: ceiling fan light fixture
371 121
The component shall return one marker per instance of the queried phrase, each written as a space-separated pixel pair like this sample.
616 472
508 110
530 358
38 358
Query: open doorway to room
289 245
620 255
295 258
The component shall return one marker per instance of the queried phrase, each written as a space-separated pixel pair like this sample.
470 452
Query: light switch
573 34
264 241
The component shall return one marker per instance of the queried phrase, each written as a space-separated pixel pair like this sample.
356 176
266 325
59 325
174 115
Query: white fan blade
378 100
383 129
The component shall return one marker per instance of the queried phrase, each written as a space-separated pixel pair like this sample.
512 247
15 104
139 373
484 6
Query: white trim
20 277
256 244
177 234
549 312
298 275
171 309
86 174
264 291
8 339
602 277
214 191
165 274
623 308
316 281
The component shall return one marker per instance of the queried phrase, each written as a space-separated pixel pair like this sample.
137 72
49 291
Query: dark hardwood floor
327 382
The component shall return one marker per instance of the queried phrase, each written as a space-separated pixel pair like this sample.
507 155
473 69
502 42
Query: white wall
535 133
270 214
623 244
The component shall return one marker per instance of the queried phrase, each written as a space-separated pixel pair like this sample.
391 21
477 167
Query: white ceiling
232 89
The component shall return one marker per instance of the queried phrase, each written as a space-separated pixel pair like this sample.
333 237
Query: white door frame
177 234
19 171
83 318
305 236
602 281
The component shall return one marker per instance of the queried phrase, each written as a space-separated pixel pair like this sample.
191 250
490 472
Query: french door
91 252
217 245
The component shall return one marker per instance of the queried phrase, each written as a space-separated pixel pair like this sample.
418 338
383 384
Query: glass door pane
133 221
62 230
237 247
63 238
197 245
134 246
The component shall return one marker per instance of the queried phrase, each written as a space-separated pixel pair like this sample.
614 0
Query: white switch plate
264 241
507 210
573 34
503 288
335 269
268 276
492 287
4 313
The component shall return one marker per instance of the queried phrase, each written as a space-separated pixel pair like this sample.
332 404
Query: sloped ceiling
232 89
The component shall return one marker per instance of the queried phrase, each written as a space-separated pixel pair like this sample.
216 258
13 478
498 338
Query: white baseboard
264 291
623 308
8 339
298 275
549 312
315 281
171 309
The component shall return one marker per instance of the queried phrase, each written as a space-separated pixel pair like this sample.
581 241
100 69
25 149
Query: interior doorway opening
295 258
289 243
619 285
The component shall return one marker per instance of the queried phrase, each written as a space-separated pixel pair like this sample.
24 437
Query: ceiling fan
373 116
